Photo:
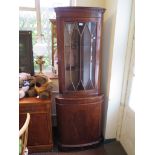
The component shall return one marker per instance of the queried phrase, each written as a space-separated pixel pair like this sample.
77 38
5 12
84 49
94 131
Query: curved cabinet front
79 121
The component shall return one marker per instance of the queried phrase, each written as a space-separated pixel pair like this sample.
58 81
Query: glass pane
93 32
27 21
27 3
80 54
75 48
47 12
54 3
85 55
68 81
71 56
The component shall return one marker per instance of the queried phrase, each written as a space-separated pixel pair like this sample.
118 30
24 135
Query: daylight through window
35 15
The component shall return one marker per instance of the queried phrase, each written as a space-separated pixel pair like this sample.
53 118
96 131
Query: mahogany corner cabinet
80 103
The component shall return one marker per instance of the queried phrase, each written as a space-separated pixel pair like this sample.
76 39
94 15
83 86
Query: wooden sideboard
40 127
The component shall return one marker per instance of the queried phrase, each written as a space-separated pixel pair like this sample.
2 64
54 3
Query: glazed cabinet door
79 37
80 55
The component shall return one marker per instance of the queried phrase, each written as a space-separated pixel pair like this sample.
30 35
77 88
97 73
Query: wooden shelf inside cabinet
40 127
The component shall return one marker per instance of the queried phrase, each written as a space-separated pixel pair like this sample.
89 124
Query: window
34 16
27 3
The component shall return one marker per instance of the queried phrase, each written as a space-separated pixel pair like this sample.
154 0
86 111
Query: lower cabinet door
79 124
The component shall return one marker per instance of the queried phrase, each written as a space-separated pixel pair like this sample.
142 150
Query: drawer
35 107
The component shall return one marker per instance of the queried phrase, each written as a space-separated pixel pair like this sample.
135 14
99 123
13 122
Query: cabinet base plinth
64 147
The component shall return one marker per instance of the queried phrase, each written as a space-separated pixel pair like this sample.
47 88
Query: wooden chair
23 137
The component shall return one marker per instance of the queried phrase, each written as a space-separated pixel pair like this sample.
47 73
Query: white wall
122 12
107 52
